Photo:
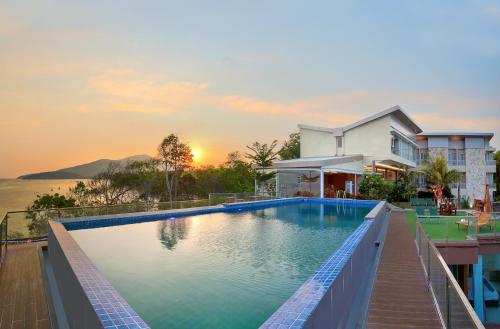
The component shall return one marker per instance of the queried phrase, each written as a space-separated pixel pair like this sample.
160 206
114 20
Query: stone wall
475 170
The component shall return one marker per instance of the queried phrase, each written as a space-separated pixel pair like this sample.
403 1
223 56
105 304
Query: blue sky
115 77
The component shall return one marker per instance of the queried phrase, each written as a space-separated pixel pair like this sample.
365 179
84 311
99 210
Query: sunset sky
109 79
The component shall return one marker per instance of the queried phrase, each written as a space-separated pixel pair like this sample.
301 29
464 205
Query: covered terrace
318 176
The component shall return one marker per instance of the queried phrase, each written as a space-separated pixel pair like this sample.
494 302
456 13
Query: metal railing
453 306
32 225
3 238
238 197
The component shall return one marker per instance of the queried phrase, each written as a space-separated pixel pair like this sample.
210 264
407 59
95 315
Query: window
403 148
339 142
490 161
422 156
490 179
462 182
421 181
456 157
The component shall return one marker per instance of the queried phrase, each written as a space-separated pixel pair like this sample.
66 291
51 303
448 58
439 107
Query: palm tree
437 174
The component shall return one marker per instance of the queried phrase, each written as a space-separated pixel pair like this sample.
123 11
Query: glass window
339 141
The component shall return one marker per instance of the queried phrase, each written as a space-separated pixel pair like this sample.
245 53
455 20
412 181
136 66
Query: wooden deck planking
400 297
22 296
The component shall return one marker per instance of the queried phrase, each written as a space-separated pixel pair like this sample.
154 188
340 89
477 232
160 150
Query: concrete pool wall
90 301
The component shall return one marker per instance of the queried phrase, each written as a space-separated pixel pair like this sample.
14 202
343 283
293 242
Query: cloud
444 121
128 90
131 90
130 107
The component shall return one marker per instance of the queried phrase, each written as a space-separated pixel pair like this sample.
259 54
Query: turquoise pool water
220 270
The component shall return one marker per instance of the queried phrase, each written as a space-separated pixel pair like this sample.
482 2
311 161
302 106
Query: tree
175 157
496 156
110 187
374 187
39 219
262 156
437 174
145 178
80 193
291 147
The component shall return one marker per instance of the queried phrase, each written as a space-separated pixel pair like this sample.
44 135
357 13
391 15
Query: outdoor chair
433 211
482 221
420 211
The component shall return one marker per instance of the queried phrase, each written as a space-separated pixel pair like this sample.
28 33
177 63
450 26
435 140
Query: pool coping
113 312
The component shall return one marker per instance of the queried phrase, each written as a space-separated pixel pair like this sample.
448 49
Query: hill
87 170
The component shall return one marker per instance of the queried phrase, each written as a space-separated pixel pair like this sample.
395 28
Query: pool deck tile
22 295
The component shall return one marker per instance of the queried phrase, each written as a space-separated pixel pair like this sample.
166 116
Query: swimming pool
230 269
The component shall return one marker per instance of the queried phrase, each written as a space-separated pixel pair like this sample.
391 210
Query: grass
442 228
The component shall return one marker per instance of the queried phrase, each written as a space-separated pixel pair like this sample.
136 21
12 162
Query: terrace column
322 183
478 288
355 184
277 184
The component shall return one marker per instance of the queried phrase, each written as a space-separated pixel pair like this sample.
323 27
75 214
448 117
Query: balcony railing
491 162
456 162
462 185
451 302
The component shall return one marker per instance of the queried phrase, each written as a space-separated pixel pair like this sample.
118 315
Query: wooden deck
22 298
400 298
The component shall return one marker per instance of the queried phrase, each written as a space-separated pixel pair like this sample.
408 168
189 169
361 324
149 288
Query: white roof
395 110
458 133
316 162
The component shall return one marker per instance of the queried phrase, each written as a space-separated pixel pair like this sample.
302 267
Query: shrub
401 191
374 187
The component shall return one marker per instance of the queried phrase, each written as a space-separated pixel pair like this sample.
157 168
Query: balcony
455 163
463 186
491 162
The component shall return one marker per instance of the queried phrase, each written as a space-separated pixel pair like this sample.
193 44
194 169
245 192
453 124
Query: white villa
389 142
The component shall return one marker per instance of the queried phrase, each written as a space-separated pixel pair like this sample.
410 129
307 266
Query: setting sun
196 155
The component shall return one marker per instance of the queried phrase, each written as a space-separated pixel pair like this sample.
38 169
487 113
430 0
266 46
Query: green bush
375 187
401 191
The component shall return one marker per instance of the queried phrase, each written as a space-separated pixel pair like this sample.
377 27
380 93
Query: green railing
454 308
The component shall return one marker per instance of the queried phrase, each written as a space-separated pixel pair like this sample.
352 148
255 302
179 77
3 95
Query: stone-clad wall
475 170
435 151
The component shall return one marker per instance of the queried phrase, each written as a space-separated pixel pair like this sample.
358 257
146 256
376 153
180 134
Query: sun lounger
482 221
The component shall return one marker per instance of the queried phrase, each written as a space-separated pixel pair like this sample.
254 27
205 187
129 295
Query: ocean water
17 194
221 270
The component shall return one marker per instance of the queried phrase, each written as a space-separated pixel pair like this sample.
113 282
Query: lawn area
436 227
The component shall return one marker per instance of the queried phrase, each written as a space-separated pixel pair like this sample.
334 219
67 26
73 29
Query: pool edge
89 286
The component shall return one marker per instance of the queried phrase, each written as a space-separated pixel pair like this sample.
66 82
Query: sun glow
197 154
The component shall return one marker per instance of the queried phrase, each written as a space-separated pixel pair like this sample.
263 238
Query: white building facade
387 143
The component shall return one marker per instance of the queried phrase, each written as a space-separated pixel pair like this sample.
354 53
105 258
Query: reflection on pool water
220 270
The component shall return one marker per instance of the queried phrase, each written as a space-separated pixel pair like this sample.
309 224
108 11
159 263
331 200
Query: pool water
219 270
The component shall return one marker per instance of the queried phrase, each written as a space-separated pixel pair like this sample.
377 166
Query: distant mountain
87 170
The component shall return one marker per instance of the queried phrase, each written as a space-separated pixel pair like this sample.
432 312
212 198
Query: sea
17 194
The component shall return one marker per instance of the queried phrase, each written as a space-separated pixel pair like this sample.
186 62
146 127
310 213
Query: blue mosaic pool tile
112 310
298 308
131 218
